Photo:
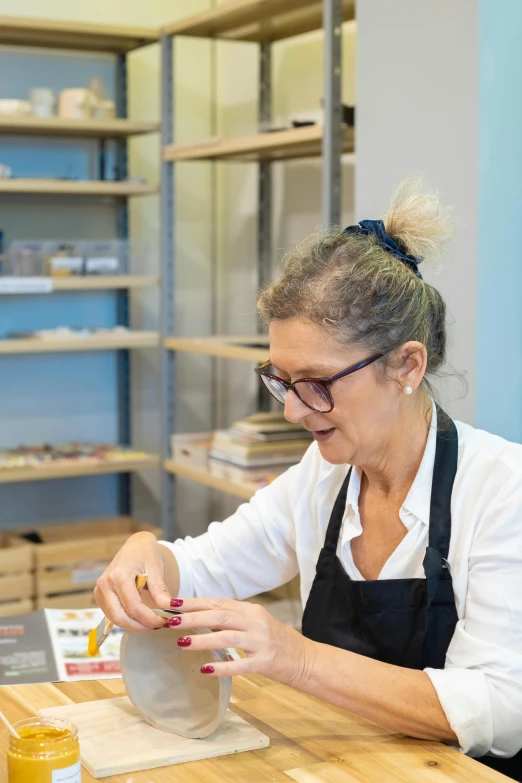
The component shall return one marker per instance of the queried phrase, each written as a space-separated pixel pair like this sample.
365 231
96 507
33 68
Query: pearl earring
407 390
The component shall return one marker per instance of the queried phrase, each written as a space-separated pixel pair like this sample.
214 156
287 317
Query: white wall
417 113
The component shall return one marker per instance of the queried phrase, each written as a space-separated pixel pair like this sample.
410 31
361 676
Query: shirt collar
418 499
354 489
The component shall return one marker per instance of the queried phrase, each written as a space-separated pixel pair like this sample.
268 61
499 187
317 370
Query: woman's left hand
272 649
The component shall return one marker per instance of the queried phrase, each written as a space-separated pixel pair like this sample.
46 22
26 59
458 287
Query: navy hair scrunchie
376 227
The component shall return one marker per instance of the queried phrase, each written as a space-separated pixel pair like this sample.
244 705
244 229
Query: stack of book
258 448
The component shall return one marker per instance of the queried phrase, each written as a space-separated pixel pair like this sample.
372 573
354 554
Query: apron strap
441 613
336 517
444 471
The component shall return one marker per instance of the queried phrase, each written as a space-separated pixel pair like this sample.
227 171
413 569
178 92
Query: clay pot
166 686
76 103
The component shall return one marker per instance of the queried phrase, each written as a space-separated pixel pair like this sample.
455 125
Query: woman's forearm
403 700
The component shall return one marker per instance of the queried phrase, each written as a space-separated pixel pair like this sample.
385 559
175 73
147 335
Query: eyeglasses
313 392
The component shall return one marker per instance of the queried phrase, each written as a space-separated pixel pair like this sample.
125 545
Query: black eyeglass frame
324 382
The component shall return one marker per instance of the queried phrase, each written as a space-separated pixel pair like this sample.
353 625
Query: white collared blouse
281 531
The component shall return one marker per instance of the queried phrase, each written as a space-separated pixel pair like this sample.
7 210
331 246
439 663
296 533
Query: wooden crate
17 587
72 556
82 600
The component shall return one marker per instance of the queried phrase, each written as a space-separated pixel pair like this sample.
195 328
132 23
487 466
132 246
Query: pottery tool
98 635
9 727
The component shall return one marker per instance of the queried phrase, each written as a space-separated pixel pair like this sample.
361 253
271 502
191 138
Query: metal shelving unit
118 41
263 22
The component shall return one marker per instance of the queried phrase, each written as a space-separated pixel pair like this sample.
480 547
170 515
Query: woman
404 526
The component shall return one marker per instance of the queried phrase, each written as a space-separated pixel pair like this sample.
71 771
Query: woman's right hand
116 593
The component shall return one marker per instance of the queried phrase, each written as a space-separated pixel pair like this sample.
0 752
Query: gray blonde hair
360 293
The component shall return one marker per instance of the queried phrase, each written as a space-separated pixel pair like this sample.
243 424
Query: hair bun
418 222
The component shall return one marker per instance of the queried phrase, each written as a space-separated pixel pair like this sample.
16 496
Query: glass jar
47 752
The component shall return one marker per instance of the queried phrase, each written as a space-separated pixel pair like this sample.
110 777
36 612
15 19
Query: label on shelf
26 285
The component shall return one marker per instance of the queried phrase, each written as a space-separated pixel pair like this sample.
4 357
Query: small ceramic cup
165 684
43 101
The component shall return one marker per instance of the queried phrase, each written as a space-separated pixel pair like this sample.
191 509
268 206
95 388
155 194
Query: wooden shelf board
74 187
102 282
280 145
99 283
256 20
244 491
94 343
57 34
57 126
243 348
15 475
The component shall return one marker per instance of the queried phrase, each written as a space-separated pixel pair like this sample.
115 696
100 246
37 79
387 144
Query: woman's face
366 403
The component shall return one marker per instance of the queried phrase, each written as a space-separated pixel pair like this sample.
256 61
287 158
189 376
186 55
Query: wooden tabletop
311 742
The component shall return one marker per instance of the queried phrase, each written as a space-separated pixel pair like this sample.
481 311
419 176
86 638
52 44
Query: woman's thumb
158 591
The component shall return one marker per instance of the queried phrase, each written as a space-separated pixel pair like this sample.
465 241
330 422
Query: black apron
405 622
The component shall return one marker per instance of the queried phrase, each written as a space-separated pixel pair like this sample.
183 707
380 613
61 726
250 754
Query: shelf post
332 137
168 381
264 215
264 224
123 369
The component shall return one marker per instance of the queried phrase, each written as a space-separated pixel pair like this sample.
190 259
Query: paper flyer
51 646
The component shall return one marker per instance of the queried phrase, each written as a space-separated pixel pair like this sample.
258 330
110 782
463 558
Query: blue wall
55 397
499 328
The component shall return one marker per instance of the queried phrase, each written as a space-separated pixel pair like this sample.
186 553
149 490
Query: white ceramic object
165 684
43 101
77 103
14 107
105 110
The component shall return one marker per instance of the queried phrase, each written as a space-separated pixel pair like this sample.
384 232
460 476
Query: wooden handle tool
98 635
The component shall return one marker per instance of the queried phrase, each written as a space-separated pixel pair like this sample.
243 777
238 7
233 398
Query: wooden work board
115 738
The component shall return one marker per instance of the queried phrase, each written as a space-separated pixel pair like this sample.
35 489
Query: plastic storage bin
63 258
192 449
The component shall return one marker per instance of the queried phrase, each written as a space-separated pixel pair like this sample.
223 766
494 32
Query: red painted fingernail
207 669
176 603
174 621
184 641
